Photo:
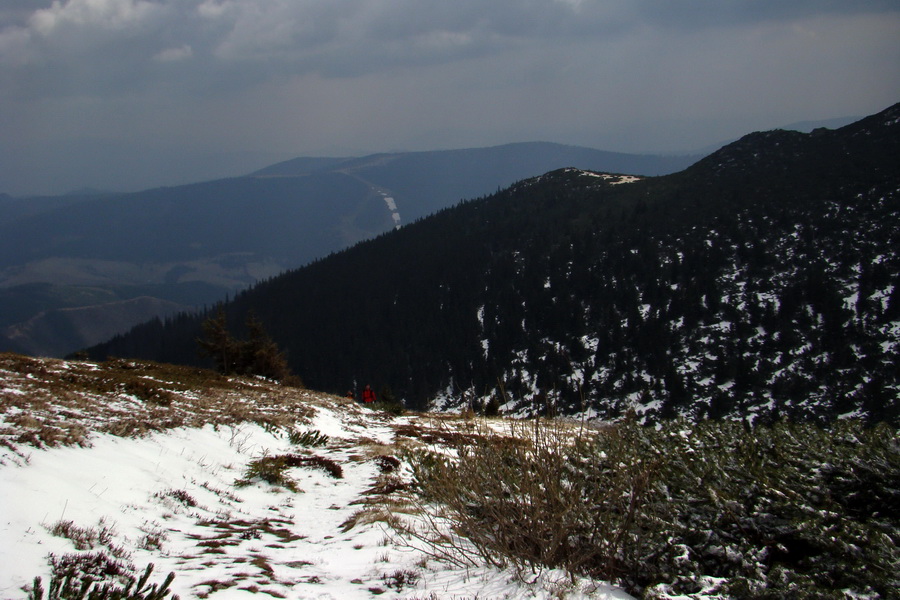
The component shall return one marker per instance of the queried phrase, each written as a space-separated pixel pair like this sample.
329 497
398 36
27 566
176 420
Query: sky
129 94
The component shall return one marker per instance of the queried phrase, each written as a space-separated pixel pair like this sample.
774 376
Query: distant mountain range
425 182
182 247
761 282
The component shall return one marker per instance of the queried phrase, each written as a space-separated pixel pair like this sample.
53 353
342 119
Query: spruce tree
218 344
259 354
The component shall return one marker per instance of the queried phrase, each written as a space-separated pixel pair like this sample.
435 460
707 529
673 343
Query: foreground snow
169 498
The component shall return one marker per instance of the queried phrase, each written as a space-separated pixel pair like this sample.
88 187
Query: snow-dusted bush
784 511
765 512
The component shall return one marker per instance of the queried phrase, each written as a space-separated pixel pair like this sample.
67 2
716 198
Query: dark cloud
314 77
695 14
107 43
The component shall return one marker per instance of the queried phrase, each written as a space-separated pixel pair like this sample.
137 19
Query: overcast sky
126 94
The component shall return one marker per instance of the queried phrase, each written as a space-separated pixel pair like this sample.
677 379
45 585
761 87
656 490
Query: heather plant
400 579
80 569
273 469
181 497
89 538
84 538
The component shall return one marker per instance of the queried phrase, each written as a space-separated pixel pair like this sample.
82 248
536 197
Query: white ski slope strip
170 499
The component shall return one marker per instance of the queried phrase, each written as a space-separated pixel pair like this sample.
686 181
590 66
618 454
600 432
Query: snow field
170 499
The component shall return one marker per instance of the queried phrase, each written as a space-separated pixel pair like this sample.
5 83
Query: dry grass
47 402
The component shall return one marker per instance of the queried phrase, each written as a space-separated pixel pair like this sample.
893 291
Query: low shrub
89 538
326 464
84 538
387 464
272 469
80 569
768 512
400 579
179 496
148 391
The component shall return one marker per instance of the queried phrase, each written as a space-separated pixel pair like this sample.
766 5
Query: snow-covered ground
169 497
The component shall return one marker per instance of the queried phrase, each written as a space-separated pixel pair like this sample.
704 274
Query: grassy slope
696 511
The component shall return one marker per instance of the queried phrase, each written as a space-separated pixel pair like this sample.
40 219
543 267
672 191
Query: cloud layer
307 76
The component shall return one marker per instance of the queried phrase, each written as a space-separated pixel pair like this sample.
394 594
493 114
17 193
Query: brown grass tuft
49 402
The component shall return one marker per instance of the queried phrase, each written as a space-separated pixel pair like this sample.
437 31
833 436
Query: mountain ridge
761 282
210 239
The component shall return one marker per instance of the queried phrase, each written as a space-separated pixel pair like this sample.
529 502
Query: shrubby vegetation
273 469
387 406
773 510
780 511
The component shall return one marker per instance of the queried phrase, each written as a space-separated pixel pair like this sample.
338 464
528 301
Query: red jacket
368 395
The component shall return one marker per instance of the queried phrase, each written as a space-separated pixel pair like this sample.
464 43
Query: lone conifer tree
260 354
218 344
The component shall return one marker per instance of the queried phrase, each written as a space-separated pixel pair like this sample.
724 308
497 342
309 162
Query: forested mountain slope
194 244
764 280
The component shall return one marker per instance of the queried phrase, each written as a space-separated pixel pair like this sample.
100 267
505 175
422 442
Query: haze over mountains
69 263
761 282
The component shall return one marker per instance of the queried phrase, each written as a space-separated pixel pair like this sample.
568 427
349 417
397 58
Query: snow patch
392 206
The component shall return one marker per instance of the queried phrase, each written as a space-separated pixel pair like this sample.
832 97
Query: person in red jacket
368 395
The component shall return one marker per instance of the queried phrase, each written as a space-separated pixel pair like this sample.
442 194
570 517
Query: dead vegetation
443 432
48 403
438 482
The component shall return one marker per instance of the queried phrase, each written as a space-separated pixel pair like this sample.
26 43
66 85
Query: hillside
195 244
113 467
761 282
57 331
240 486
